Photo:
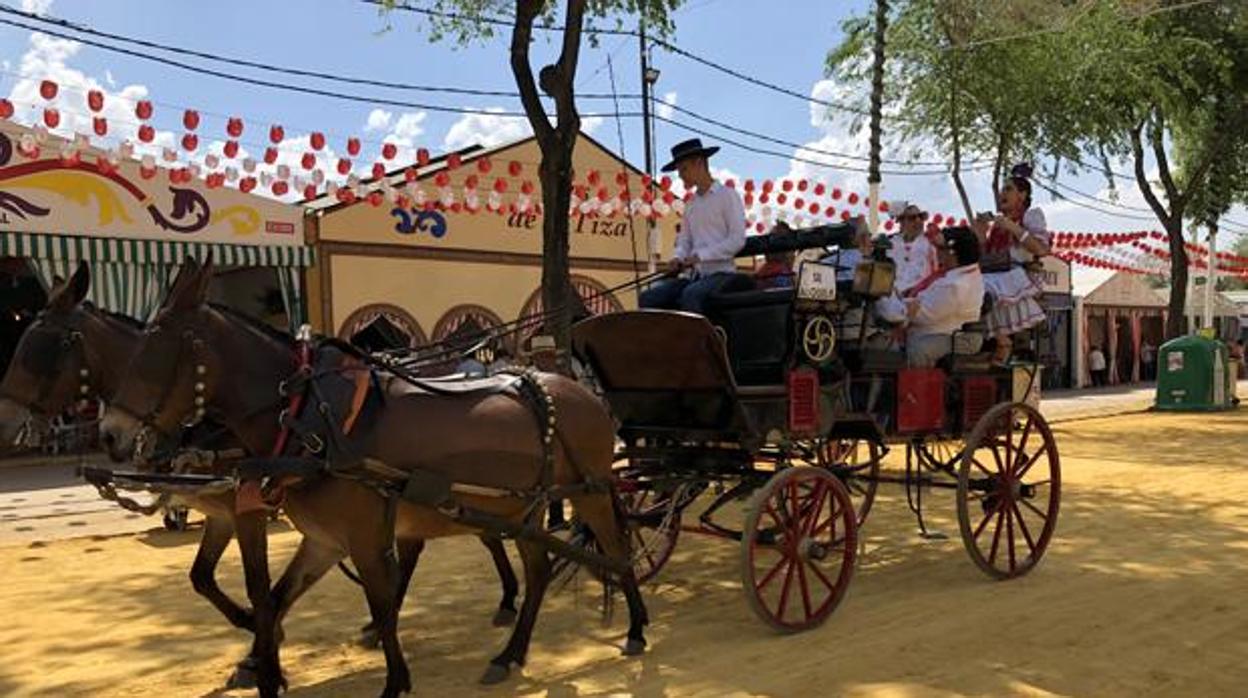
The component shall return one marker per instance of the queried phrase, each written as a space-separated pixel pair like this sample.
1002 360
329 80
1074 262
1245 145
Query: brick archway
400 318
595 296
455 318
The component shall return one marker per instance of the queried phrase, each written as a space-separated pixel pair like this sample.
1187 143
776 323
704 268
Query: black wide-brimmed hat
687 149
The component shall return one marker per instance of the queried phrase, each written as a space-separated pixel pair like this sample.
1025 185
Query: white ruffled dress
1015 293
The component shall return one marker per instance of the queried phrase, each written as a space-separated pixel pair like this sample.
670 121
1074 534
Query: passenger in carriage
1013 243
776 272
712 233
914 255
944 302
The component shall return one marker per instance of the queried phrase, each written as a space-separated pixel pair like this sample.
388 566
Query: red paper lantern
147 172
442 179
6 109
731 184
100 125
749 199
95 100
379 170
234 127
51 117
836 193
143 110
814 208
526 187
230 149
309 192
888 225
883 207
764 198
456 207
71 159
668 198
936 219
375 198
470 182
353 146
802 184
844 215
422 158
759 227
344 166
410 175
500 185
749 185
246 184
853 198
48 89
308 161
389 150
603 195
820 189
277 134
270 155
280 187
799 203
781 198
665 183
190 142
317 139
830 211
190 119
453 161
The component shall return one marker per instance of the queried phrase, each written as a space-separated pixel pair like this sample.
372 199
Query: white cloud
664 109
485 129
38 7
408 127
590 124
378 120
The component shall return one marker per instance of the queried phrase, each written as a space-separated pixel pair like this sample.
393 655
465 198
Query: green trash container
1193 374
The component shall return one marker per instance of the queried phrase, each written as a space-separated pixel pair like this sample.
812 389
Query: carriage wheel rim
858 479
797 582
1008 523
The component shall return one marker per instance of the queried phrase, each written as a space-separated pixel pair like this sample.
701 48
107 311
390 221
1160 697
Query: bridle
70 344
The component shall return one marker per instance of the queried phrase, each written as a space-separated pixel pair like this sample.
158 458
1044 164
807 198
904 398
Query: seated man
945 302
712 233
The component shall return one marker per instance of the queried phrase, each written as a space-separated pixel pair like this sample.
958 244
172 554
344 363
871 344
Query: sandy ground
1144 593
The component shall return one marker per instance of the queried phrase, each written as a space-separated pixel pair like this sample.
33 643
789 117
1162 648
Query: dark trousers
682 294
1100 378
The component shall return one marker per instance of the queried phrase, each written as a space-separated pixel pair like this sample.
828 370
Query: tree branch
521 37
565 107
1156 137
1141 177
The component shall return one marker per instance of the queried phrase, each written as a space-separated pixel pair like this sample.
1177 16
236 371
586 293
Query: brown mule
196 359
75 351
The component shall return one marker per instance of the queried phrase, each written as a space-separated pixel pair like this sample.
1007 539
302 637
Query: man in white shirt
712 233
913 254
950 301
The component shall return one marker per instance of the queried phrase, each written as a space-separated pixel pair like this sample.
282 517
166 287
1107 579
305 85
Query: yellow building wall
604 238
428 288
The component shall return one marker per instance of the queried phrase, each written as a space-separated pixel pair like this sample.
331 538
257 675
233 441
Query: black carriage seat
662 372
757 326
967 355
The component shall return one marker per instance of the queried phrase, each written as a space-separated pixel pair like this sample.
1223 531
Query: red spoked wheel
856 462
652 520
1009 489
798 548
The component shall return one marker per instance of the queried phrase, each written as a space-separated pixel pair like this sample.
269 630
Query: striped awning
73 248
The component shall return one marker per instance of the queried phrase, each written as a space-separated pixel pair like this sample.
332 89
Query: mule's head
50 369
172 374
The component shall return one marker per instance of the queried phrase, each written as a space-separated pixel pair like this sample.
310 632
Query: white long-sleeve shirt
713 228
915 260
950 302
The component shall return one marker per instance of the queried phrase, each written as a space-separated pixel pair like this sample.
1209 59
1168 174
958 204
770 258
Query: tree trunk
557 144
998 167
1178 278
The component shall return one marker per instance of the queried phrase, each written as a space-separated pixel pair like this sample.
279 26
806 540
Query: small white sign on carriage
816 282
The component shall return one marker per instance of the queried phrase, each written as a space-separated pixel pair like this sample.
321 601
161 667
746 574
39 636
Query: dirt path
1143 593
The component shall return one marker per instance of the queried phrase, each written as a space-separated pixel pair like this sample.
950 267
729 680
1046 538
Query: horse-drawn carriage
731 401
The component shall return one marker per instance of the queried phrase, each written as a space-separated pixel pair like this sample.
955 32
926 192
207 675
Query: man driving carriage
712 233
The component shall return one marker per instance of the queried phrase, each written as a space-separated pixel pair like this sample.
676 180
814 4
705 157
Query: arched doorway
380 326
595 300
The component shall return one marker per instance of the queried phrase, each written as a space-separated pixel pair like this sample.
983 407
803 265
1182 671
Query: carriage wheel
1009 488
940 453
652 520
856 462
798 548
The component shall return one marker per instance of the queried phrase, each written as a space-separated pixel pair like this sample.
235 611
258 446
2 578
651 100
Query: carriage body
774 378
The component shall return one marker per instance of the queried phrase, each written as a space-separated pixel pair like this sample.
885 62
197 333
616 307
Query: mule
198 360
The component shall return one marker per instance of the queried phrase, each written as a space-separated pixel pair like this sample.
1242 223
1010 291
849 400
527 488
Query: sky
783 42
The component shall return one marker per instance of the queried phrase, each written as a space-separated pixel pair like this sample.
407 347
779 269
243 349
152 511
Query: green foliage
466 21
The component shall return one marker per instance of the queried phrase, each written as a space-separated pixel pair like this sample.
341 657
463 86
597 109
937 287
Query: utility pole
648 77
877 104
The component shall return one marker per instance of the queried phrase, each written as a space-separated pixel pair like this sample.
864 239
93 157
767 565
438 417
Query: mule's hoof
244 676
370 638
495 674
634 648
505 617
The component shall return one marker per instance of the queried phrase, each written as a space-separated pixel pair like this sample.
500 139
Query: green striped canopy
74 248
130 276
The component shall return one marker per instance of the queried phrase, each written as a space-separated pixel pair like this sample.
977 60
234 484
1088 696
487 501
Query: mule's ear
204 280
80 282
187 272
